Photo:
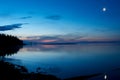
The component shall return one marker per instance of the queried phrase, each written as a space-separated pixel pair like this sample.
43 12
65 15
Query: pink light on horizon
48 41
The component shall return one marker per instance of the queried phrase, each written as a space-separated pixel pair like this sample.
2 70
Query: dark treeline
9 44
8 40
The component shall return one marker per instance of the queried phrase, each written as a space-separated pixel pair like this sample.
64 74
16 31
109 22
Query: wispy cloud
54 17
11 26
55 38
25 17
68 38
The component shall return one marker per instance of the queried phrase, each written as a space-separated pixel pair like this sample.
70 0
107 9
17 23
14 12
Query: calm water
67 61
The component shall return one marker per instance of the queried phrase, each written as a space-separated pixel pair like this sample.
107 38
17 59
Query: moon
104 9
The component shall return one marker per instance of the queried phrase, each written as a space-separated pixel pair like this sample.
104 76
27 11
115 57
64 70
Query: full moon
104 9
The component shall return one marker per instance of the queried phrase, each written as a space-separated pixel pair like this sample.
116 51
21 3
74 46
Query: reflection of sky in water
70 60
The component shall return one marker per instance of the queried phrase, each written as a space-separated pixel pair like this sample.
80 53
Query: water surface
66 61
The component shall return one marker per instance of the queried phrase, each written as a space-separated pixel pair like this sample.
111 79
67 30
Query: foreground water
66 61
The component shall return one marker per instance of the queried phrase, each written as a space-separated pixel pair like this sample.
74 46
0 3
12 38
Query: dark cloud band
10 27
26 17
53 17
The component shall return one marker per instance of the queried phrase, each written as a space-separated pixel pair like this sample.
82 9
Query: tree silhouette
8 40
9 45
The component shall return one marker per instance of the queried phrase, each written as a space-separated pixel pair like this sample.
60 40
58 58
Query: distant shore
71 43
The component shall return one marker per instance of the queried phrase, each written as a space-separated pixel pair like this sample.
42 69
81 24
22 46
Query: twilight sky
61 20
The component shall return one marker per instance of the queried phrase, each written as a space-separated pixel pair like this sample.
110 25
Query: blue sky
62 20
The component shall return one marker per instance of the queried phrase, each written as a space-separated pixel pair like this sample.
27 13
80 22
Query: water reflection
9 71
87 48
9 50
70 62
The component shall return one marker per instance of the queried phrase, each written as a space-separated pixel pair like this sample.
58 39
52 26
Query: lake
66 61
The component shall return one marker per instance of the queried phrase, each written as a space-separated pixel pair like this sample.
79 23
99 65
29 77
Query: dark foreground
10 71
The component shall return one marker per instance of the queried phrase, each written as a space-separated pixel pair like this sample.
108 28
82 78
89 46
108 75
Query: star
104 9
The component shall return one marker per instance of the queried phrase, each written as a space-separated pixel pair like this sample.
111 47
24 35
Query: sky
61 20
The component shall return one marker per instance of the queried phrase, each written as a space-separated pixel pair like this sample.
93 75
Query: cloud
11 27
55 38
53 17
25 17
